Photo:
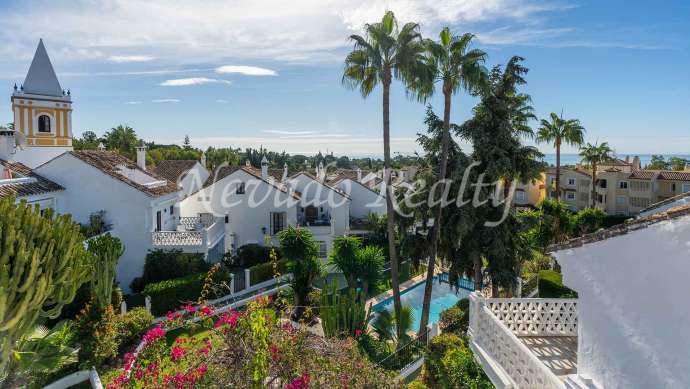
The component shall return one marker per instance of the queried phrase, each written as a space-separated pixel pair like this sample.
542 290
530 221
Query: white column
123 308
147 303
247 278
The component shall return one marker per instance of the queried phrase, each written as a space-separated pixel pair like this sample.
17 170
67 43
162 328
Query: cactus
342 314
107 250
42 264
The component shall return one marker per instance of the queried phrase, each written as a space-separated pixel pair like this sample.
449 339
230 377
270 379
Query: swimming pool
443 296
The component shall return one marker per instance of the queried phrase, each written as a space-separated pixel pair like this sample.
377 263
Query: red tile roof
674 175
38 186
174 170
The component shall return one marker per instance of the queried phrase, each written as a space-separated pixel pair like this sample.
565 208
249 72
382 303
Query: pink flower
206 311
202 369
180 340
301 382
172 315
152 335
189 308
358 333
177 353
229 318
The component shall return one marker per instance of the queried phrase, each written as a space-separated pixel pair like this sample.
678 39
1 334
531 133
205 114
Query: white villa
628 328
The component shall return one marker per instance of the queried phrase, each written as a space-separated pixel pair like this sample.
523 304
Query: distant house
16 179
364 200
254 208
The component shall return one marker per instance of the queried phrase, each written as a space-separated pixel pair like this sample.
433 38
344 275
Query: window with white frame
571 181
240 188
570 195
520 195
623 185
44 123
278 222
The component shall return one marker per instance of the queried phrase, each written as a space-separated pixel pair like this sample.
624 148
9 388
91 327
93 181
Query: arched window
44 123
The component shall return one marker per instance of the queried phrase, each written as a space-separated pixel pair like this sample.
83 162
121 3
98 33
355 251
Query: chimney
627 159
203 159
636 163
321 172
247 163
100 146
7 144
264 168
141 155
359 175
285 172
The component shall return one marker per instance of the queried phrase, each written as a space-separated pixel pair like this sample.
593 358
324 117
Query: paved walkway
558 353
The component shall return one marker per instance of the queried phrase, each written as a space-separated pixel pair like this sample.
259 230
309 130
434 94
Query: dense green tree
677 163
88 141
298 246
384 52
558 131
593 155
657 163
344 257
370 261
456 67
122 139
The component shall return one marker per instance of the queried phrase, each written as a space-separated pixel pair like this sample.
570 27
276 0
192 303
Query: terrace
200 233
524 342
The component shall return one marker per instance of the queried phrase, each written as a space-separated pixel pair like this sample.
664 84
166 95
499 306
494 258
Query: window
172 210
520 195
570 195
600 198
686 188
673 187
571 181
623 185
44 123
278 221
621 200
159 221
602 183
240 188
639 202
552 194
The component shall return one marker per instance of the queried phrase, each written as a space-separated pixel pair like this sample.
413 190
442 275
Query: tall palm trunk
558 169
390 212
477 261
594 182
436 231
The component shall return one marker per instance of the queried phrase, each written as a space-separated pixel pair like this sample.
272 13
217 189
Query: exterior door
159 221
311 213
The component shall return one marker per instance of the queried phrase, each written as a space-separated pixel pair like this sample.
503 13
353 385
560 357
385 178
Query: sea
572 159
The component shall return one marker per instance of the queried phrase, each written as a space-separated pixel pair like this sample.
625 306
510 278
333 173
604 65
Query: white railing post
147 303
519 287
95 379
476 303
247 278
232 283
123 307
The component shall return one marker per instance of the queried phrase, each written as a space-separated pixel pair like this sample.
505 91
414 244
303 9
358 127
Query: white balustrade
177 238
496 323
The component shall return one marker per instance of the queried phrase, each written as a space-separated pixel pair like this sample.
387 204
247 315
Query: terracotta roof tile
39 185
174 170
674 175
642 174
109 163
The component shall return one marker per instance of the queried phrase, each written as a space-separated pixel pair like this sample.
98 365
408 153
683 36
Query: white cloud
246 70
193 81
222 101
166 101
133 102
130 58
213 31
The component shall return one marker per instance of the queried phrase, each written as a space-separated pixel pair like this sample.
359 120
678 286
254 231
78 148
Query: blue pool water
443 296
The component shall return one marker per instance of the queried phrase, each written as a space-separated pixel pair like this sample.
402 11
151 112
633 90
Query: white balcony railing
497 324
208 234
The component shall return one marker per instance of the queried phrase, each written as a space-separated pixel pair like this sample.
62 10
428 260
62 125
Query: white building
189 175
364 200
628 328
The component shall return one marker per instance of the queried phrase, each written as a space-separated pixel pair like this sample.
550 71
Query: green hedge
264 272
170 294
551 286
252 254
163 265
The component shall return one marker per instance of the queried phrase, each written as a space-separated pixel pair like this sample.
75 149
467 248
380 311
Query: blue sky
250 73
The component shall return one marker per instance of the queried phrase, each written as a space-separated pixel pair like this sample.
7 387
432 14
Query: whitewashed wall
364 200
634 317
245 222
333 203
131 212
194 179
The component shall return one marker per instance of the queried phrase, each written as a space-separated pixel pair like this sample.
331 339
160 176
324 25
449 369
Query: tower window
44 123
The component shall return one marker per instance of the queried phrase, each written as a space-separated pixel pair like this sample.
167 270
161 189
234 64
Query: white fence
495 325
77 378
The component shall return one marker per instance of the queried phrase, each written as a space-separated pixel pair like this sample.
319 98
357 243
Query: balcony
523 342
193 233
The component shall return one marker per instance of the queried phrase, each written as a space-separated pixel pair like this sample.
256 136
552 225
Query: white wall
248 212
633 316
194 179
333 203
131 212
364 200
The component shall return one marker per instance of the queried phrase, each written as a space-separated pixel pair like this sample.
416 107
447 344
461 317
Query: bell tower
42 112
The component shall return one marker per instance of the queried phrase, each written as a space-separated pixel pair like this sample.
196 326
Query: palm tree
382 53
594 155
559 131
457 68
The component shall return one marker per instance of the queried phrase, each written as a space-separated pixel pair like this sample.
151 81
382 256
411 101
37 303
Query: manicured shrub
454 320
170 294
163 265
251 255
551 286
588 220
450 364
98 335
265 271
131 325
